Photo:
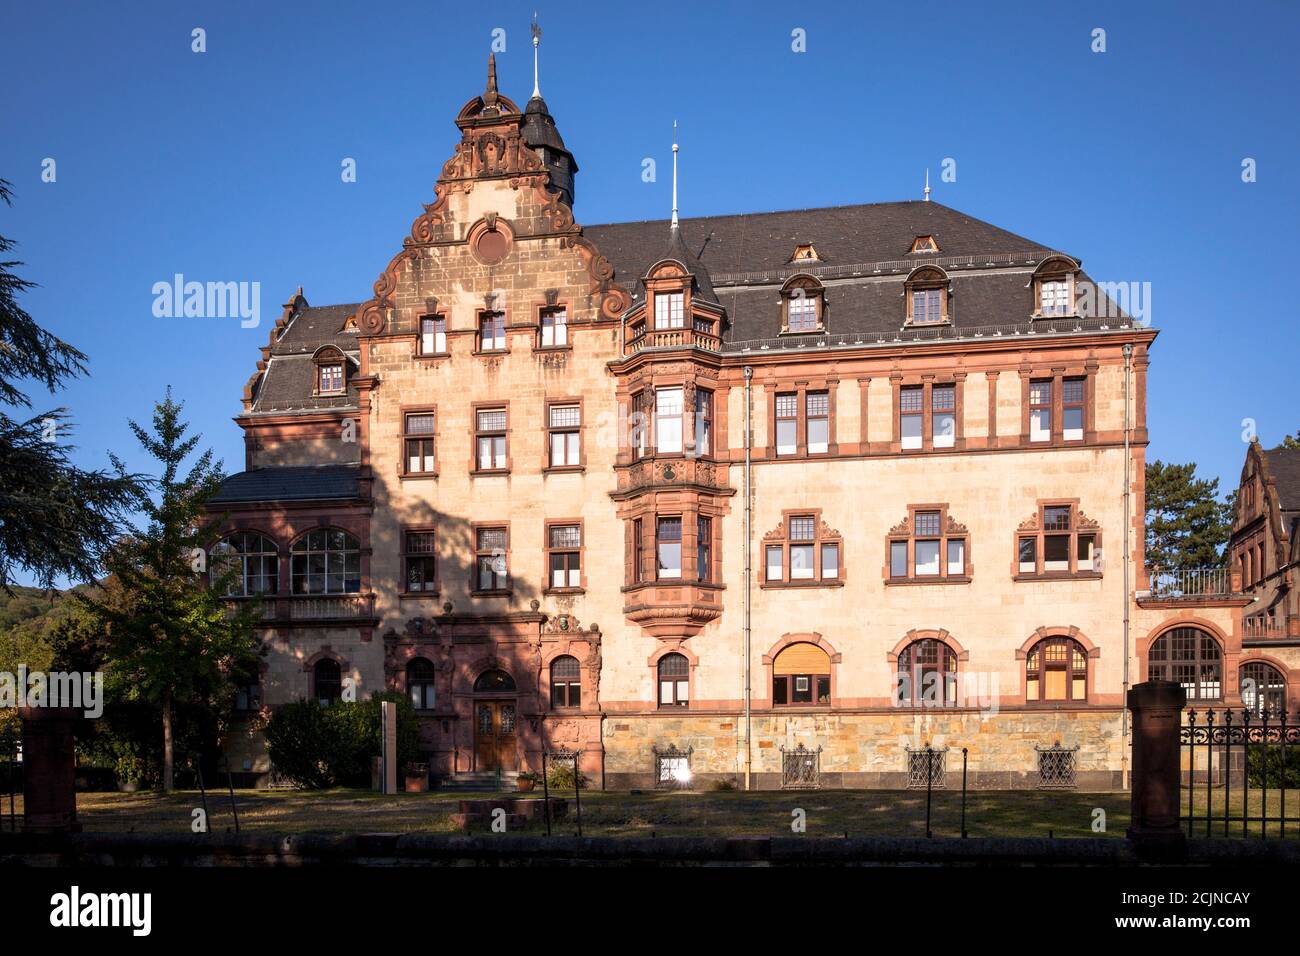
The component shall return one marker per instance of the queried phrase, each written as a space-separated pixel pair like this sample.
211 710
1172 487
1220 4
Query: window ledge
488 472
432 356
1059 576
417 475
779 585
417 595
492 593
929 579
564 590
552 348
488 353
563 469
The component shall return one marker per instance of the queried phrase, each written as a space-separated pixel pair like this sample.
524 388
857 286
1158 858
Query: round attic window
491 246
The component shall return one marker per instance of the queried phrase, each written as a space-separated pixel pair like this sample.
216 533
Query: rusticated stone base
868 750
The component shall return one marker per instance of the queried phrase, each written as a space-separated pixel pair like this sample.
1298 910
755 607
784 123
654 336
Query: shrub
560 777
1265 766
319 747
726 783
298 742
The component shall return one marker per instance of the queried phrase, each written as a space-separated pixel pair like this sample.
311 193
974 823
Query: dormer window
802 302
805 253
924 244
926 290
670 310
331 379
331 371
1053 287
1054 297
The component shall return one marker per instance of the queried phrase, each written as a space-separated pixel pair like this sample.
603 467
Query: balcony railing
313 607
1191 584
330 606
1262 629
640 338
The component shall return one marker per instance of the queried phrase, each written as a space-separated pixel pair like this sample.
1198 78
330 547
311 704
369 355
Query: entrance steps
480 781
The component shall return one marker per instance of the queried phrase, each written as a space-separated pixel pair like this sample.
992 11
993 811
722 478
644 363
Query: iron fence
1236 771
1190 583
927 768
801 768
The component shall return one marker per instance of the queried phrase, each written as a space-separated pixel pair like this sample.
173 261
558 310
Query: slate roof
741 262
296 483
289 379
1284 466
863 260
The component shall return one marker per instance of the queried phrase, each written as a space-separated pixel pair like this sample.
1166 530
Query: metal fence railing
1238 770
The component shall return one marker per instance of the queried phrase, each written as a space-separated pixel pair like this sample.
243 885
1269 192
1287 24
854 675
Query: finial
490 95
927 185
537 39
674 174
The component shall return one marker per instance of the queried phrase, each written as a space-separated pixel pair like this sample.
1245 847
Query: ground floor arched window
927 675
801 674
1263 689
1056 669
327 681
1191 657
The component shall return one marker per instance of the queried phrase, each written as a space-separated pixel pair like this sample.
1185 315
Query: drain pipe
1128 524
749 378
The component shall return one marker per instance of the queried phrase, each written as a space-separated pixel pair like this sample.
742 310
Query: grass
765 813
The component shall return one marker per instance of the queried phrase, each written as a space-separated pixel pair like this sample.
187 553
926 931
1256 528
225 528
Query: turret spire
537 39
674 174
927 185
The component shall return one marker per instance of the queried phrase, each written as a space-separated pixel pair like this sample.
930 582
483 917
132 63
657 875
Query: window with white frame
491 438
668 420
433 335
670 311
564 426
564 548
555 327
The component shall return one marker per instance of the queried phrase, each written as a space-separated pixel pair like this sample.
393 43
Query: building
513 483
1265 552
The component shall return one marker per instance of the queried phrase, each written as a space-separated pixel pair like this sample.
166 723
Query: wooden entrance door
494 735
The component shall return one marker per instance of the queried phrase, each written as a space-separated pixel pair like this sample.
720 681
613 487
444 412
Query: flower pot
417 783
525 785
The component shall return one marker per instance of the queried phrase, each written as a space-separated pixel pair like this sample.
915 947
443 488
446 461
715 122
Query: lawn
765 813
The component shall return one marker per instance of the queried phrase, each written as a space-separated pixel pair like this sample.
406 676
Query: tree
1187 525
1291 441
167 636
56 519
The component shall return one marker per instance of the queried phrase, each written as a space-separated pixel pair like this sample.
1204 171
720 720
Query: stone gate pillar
49 769
1157 708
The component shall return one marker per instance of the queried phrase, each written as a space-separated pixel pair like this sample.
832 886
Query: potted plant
527 780
417 777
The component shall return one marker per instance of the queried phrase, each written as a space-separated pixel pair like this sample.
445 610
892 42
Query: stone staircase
479 781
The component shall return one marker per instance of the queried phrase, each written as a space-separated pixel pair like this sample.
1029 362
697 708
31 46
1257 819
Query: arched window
419 683
926 296
566 682
1263 689
326 561
1056 669
1191 657
801 674
803 305
494 681
327 681
248 562
674 681
927 675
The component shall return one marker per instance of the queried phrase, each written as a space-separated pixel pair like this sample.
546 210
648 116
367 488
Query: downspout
1128 523
749 376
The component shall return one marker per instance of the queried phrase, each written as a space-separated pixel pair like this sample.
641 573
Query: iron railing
1190 583
801 768
1236 772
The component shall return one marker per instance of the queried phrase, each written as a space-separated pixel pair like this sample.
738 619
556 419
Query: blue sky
225 165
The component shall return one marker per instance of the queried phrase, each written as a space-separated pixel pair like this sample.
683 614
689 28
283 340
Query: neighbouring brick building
512 484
